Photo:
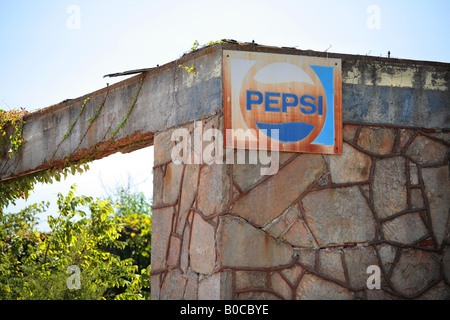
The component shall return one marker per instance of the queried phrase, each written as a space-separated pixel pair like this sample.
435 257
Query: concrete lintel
121 117
376 90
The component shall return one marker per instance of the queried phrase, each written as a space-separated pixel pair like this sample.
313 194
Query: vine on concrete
75 121
96 113
15 140
126 116
197 46
20 187
188 69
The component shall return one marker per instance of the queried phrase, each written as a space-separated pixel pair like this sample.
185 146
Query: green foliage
15 119
34 265
66 135
96 113
125 117
197 45
188 69
20 187
133 213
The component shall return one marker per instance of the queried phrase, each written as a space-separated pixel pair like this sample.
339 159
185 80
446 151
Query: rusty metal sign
292 101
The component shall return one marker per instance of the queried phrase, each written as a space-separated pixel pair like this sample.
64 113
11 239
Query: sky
56 50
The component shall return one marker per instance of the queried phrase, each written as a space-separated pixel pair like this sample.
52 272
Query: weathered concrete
168 97
375 90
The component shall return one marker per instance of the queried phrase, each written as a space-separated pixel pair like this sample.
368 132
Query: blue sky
49 53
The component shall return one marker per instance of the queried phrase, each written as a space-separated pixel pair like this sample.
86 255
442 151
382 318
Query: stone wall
311 230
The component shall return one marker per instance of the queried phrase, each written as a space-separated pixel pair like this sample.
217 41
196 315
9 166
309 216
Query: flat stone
348 132
405 135
174 251
416 199
413 174
242 245
280 286
414 271
184 257
251 279
376 140
446 262
389 186
365 190
291 214
209 287
298 174
293 273
306 257
331 265
161 229
357 261
249 174
405 229
189 190
158 186
209 149
172 180
339 216
281 224
163 147
351 166
427 151
444 135
226 285
299 236
173 286
256 295
312 287
440 291
191 291
379 294
387 255
155 289
202 249
277 228
214 189
437 188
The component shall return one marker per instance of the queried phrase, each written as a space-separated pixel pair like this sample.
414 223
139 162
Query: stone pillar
187 204
224 231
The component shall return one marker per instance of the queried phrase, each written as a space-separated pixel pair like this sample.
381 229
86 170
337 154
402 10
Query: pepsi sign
298 96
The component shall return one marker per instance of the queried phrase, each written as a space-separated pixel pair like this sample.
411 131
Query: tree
34 265
133 212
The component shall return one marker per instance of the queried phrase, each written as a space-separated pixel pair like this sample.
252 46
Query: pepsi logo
286 97
298 96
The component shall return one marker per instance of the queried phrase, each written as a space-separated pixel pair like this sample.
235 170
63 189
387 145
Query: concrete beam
379 90
111 120
375 90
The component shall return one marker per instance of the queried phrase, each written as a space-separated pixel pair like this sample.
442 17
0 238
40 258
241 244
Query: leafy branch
20 187
15 119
